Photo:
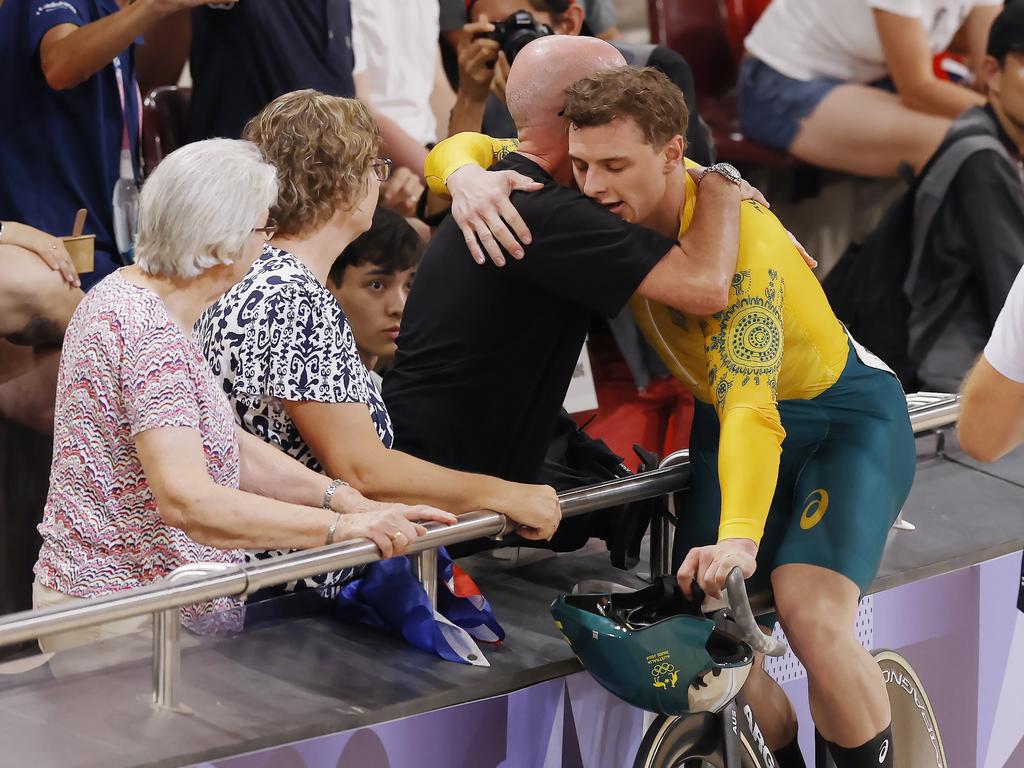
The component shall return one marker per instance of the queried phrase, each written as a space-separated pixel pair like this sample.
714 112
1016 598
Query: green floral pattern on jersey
747 347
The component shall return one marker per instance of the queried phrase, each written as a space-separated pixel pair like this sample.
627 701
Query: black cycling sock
877 753
789 756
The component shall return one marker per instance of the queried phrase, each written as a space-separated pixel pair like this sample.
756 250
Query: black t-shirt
486 354
246 56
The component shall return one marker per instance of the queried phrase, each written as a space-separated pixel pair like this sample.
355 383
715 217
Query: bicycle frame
741 732
725 737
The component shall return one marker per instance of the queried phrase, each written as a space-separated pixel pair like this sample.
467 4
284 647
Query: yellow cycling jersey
777 339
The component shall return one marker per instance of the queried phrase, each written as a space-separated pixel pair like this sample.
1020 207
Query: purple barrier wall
961 631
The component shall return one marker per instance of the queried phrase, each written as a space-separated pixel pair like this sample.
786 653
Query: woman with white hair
149 470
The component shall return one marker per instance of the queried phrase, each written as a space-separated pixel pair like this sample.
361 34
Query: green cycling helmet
654 649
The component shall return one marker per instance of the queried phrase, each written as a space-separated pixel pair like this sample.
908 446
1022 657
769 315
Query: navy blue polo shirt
60 150
246 56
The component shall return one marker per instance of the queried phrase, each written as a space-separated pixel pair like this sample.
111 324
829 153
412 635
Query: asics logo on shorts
884 752
815 507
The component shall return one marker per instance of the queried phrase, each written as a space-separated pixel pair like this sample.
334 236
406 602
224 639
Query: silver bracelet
1 231
329 493
332 529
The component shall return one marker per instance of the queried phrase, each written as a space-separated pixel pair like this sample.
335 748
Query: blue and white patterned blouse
278 335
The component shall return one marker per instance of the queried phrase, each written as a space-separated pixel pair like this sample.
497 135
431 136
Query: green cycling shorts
846 468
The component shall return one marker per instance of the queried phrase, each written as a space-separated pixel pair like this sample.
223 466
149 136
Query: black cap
1007 33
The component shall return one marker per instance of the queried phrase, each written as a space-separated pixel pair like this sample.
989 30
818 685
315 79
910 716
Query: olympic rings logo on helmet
650 651
660 670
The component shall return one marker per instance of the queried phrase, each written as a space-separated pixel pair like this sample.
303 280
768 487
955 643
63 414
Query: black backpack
878 285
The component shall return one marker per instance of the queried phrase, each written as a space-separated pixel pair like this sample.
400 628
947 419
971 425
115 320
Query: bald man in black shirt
485 354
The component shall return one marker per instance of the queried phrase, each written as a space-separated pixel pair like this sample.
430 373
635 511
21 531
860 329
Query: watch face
729 172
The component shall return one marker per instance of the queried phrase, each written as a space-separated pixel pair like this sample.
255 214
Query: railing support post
167 637
661 525
425 567
166 658
661 543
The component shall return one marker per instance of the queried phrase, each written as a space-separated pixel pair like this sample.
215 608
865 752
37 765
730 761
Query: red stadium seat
741 15
697 30
164 119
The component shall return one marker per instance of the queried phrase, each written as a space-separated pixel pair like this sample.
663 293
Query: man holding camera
497 28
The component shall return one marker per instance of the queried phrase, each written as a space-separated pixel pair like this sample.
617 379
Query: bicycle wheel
915 733
692 741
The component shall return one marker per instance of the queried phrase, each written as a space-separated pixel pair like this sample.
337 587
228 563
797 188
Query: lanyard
119 76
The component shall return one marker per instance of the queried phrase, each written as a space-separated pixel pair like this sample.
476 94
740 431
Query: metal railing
201 582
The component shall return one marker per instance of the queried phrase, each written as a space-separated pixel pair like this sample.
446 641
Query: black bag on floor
576 459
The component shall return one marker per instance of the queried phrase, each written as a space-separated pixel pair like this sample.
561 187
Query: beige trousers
44 597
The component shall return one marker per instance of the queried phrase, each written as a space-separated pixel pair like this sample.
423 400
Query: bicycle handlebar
744 616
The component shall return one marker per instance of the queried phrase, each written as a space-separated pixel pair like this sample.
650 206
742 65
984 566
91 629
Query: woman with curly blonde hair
282 348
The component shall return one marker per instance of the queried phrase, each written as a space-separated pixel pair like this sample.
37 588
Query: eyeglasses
268 230
382 167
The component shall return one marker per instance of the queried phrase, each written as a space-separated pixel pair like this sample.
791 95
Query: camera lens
518 40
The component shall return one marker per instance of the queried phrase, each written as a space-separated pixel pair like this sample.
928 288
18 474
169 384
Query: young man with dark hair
992 418
371 280
975 245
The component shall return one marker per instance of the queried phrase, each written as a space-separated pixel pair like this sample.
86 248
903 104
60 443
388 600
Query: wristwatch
724 169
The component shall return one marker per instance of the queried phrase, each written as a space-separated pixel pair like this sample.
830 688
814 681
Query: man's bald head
535 91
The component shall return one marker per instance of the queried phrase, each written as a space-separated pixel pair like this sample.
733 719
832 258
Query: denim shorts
772 105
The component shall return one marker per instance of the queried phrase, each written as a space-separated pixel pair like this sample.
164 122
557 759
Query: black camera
514 33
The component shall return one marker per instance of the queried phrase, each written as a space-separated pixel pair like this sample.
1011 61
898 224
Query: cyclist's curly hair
322 147
644 94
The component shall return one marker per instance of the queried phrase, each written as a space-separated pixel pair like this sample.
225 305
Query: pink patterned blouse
125 368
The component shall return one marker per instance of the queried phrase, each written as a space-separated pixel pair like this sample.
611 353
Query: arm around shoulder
694 277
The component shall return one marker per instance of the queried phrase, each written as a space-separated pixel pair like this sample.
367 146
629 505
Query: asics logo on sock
883 752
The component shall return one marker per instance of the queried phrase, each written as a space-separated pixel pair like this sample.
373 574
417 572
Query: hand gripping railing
200 582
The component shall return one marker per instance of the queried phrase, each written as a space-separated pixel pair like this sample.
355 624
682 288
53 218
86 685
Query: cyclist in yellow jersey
802 451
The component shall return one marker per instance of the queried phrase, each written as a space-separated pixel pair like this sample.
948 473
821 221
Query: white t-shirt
395 44
806 39
1005 350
